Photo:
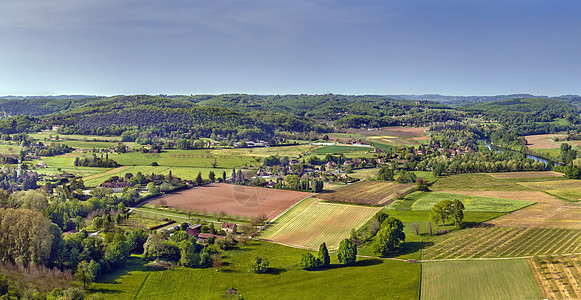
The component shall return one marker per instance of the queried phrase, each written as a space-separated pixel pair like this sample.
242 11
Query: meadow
336 149
506 279
181 172
391 279
312 222
471 203
184 158
564 189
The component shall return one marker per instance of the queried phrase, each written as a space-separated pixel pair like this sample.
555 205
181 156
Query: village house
229 227
116 187
194 230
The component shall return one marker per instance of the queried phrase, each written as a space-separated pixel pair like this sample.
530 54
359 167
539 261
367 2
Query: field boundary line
282 213
141 286
499 258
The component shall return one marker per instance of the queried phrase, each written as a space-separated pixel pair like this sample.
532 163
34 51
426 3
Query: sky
460 47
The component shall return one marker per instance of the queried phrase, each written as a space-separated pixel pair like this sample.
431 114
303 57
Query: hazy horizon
56 47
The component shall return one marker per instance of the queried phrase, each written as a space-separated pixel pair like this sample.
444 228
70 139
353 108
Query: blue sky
284 47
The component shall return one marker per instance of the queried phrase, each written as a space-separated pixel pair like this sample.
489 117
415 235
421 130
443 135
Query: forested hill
528 105
115 115
41 106
326 106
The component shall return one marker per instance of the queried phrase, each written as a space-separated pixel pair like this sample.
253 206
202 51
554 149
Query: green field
339 149
183 158
380 279
471 203
313 222
294 150
506 279
364 174
504 242
475 182
181 172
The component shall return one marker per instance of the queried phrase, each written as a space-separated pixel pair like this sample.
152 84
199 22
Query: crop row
504 242
559 278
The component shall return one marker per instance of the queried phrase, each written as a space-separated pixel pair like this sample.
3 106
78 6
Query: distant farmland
233 200
368 192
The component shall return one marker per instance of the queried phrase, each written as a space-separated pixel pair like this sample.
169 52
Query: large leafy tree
441 211
389 236
457 211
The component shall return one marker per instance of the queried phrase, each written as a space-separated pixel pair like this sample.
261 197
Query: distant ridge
59 97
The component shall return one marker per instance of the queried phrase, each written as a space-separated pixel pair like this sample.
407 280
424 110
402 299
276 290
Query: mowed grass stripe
516 248
312 222
506 279
559 243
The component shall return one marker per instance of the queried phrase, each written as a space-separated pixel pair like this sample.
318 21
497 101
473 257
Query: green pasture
181 172
184 158
339 149
45 135
471 203
498 279
294 150
364 174
381 278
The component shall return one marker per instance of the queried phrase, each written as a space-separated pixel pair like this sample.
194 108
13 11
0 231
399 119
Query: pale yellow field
313 222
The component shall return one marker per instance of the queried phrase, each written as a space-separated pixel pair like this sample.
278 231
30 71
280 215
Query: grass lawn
506 279
475 182
471 203
367 279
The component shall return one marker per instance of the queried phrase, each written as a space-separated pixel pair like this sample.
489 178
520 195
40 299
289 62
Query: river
500 149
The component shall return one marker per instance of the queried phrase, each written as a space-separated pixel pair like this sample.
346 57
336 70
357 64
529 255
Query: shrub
309 262
258 265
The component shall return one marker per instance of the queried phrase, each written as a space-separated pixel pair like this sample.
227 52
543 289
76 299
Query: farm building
203 237
116 187
229 227
194 230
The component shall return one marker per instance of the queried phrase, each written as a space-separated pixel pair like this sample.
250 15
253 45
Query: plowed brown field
234 200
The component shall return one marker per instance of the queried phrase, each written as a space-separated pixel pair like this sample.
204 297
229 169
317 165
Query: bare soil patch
548 212
396 131
234 200
543 141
